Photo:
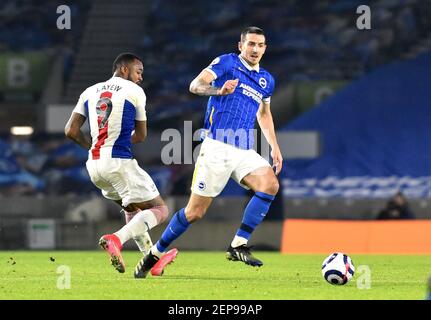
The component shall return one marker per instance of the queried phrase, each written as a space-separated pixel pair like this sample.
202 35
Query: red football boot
112 245
166 259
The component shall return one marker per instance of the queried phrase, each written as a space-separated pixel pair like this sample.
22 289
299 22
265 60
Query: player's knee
132 208
164 213
194 214
161 213
271 186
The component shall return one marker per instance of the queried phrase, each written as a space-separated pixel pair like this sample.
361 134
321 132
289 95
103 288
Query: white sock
156 251
238 241
144 243
140 224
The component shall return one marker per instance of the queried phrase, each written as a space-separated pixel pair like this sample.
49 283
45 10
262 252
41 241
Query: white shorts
217 162
122 179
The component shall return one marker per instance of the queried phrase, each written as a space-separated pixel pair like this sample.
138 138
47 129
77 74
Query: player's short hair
248 30
124 59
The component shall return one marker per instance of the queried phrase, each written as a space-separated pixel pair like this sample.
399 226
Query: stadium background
351 110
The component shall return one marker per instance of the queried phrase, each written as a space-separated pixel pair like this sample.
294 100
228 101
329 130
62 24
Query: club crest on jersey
215 61
201 185
262 82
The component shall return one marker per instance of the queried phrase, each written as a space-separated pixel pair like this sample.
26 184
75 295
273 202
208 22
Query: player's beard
130 78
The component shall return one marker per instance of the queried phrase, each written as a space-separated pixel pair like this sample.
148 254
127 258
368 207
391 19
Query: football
338 268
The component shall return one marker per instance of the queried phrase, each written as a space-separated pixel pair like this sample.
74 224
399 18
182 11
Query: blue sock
255 212
176 227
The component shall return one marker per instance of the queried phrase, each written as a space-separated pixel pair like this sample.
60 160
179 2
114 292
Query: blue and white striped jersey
231 118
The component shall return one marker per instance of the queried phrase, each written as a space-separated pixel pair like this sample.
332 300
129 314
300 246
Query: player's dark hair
124 58
248 30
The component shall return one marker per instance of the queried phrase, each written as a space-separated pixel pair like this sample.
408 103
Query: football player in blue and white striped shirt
240 92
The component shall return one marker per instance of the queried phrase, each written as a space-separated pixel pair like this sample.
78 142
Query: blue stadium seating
375 137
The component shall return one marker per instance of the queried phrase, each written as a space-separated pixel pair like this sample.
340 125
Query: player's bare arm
73 130
201 85
140 132
266 123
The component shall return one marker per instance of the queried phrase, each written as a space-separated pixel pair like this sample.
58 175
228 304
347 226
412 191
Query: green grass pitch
207 276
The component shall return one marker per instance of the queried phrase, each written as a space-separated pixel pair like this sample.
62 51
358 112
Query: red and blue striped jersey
111 109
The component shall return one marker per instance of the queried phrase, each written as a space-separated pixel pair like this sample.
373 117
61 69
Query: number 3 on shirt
103 108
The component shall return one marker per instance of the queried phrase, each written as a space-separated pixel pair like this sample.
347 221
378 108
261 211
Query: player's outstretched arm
201 85
73 130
